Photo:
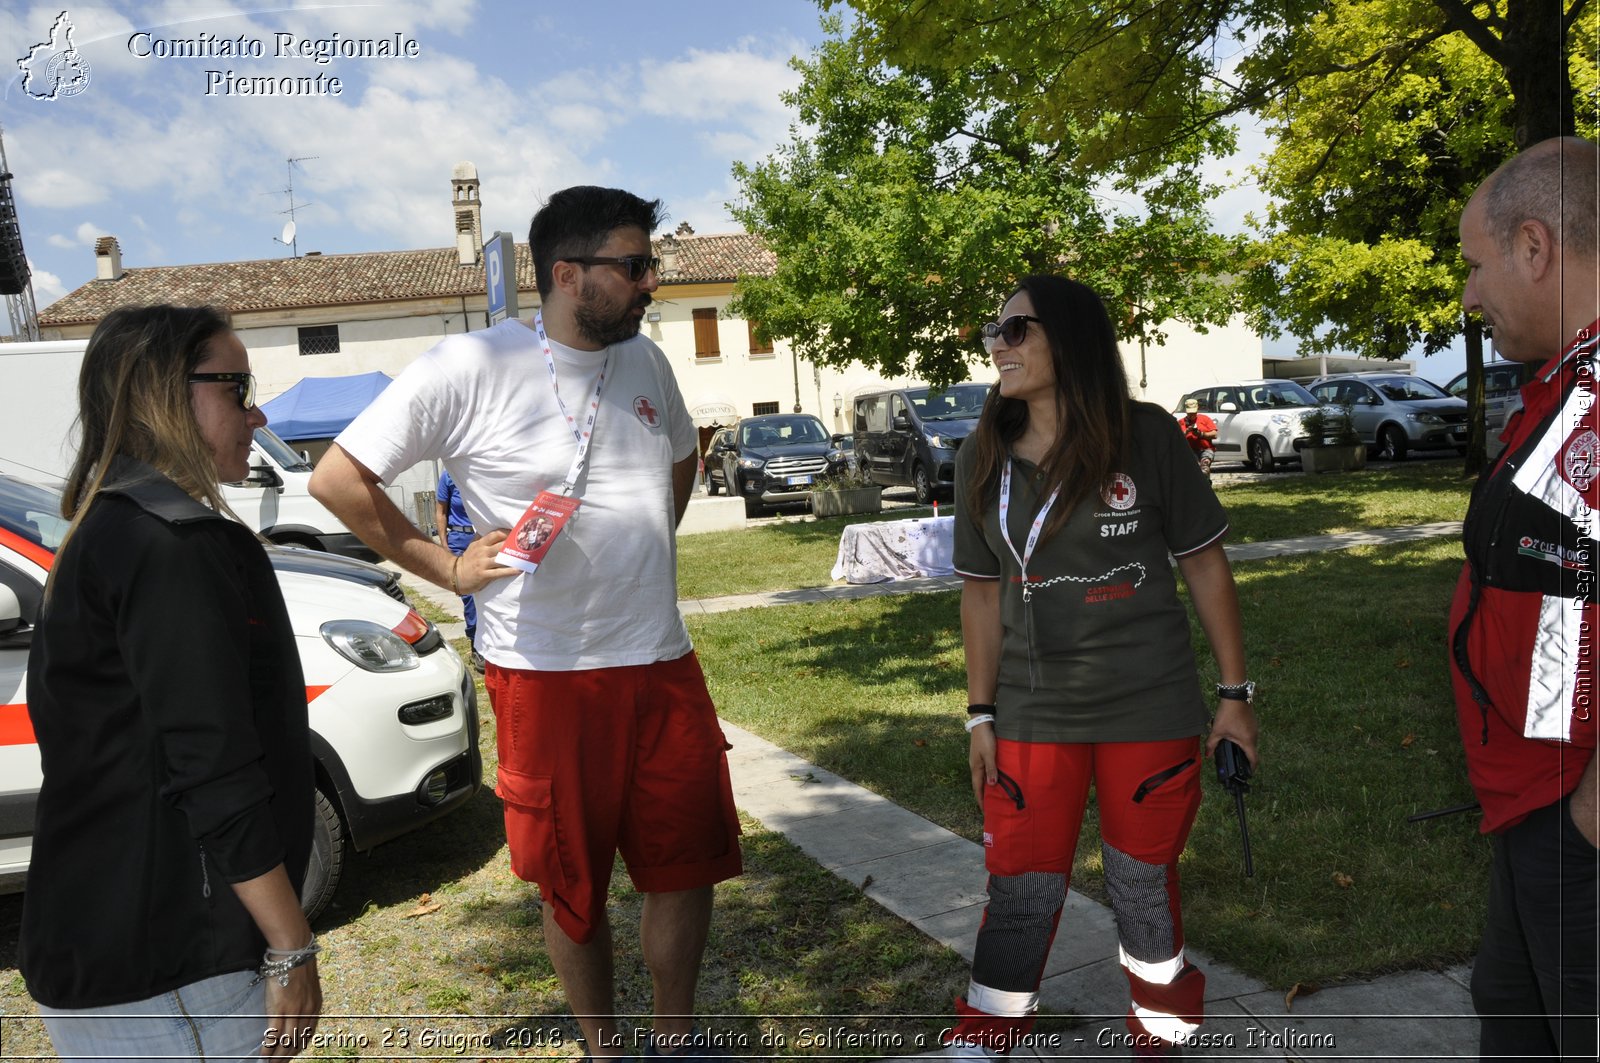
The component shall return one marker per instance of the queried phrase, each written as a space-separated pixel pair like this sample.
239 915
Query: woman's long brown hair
133 401
1092 404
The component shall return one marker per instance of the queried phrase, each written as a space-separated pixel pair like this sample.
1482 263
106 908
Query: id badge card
536 532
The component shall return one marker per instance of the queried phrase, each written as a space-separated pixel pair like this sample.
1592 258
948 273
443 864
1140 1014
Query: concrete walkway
935 880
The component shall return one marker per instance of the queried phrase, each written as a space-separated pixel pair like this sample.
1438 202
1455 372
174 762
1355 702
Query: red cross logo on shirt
1120 493
646 411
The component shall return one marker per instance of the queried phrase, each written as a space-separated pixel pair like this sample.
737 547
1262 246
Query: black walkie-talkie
1233 772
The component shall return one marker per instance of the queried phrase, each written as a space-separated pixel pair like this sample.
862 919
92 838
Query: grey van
908 436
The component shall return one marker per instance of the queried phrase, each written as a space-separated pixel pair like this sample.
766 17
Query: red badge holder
536 531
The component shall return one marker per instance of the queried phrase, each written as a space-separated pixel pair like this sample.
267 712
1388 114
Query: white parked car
1258 421
393 709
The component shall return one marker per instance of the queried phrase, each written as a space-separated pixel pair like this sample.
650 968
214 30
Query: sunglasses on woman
1012 330
635 266
244 385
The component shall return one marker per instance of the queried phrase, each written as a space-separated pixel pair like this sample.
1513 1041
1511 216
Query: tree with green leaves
1387 114
916 199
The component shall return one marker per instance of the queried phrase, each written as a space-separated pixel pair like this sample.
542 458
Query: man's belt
460 528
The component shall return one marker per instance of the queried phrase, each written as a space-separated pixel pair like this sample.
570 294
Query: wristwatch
1245 692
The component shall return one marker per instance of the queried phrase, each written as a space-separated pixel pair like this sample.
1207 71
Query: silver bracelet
291 958
981 718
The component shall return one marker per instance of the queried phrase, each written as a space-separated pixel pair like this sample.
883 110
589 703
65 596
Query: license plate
793 481
1459 430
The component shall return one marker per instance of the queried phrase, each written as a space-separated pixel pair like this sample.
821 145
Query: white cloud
47 287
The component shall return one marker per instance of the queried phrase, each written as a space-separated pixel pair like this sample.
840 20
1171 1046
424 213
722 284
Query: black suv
772 458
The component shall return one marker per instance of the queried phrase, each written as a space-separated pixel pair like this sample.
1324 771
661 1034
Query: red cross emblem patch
1120 494
1578 460
646 411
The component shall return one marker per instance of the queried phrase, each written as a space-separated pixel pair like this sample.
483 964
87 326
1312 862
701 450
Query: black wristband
975 710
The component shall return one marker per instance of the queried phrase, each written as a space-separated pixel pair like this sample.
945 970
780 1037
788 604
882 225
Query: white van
38 405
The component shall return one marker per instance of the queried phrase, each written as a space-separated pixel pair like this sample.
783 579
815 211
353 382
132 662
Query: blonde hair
133 401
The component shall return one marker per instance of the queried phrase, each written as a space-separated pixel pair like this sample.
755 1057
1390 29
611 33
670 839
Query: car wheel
1260 455
711 484
921 484
295 540
1391 443
327 858
753 506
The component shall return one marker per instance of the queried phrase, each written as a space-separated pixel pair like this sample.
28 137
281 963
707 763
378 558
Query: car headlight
751 463
370 646
1279 420
835 457
1426 418
938 442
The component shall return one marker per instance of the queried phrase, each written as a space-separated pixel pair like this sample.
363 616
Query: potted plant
847 491
1332 444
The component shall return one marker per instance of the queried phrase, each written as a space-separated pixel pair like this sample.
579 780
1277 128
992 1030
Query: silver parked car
1502 393
1258 421
1395 413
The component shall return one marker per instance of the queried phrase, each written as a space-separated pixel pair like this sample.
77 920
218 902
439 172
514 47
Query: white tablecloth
895 549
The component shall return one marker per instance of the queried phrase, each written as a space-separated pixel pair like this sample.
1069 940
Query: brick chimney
107 259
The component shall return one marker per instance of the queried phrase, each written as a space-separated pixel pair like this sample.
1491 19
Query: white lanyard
1024 558
1033 532
584 435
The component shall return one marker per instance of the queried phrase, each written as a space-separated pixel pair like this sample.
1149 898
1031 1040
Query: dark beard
598 327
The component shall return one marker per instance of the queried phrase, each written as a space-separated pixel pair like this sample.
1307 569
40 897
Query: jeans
1534 983
457 543
218 1018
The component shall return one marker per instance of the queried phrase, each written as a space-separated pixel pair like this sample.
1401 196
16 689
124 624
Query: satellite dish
288 233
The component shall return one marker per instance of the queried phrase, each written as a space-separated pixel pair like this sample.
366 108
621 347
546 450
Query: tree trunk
1477 434
1536 70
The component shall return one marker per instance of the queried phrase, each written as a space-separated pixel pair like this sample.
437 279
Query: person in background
1069 499
1200 432
1523 620
608 740
456 534
162 916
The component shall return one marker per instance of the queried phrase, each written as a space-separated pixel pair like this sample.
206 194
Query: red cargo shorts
607 760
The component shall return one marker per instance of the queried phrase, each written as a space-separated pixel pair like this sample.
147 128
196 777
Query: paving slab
1414 1015
874 834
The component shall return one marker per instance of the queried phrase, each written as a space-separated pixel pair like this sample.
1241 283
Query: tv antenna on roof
288 236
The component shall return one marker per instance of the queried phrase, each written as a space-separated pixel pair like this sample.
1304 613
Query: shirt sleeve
408 422
1192 518
195 691
972 556
680 426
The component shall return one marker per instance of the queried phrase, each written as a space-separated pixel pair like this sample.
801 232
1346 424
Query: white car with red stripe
393 709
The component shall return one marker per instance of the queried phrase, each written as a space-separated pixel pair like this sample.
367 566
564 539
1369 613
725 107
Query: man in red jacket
1523 622
1200 432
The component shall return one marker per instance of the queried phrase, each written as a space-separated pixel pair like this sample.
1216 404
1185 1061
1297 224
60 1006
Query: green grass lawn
1358 732
801 554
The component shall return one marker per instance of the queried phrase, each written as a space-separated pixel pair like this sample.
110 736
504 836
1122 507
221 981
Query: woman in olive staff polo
1069 499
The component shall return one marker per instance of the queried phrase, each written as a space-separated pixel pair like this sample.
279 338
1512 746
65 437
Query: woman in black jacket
162 914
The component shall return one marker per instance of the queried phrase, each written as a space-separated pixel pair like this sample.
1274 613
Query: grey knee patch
1138 893
1018 927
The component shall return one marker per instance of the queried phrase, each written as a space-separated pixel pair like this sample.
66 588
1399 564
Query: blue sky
657 98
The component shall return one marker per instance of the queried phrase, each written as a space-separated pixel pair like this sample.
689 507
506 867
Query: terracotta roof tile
380 276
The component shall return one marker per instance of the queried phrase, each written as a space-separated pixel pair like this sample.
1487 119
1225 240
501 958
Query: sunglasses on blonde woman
244 384
1011 330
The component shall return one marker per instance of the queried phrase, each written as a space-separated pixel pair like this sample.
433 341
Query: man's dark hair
575 221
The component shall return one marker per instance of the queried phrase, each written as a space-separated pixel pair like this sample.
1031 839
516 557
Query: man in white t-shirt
607 738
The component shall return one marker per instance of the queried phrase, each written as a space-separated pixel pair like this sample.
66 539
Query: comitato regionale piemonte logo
55 68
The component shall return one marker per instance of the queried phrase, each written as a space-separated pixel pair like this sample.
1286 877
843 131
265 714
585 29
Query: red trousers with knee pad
1148 794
